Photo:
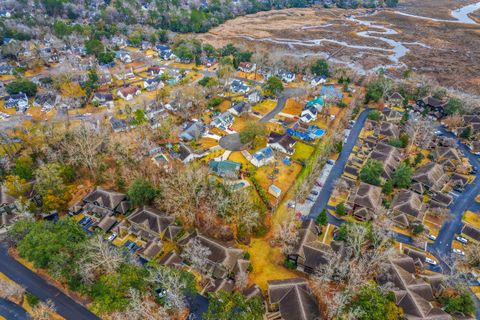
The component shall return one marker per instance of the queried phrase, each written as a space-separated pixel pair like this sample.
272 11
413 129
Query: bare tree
11 290
286 236
43 311
171 281
421 133
472 254
141 308
197 254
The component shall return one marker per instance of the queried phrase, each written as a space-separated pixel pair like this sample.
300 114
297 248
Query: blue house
192 131
306 134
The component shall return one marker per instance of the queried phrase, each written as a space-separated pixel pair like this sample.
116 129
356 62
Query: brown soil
452 58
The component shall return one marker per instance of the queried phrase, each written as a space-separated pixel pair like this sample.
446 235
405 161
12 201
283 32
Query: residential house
104 99
309 133
223 261
449 157
431 175
471 233
192 130
418 257
310 253
118 125
262 157
247 67
291 299
165 53
254 96
392 115
225 169
153 84
388 130
8 210
154 71
150 224
239 86
123 56
184 154
151 250
111 202
330 92
407 208
365 201
309 114
388 156
413 293
222 121
286 76
395 99
46 101
5 68
318 80
128 93
281 142
433 105
439 199
239 108
18 101
171 259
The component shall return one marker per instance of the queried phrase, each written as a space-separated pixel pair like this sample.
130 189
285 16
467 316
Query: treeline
353 4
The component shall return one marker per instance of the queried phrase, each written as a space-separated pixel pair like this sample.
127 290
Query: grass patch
264 107
293 107
472 219
302 151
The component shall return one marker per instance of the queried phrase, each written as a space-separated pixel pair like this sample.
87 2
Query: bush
458 302
371 172
374 115
31 299
417 229
22 85
322 219
289 264
340 209
215 102
246 256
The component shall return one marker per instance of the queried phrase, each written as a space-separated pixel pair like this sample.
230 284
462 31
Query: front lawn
472 218
264 107
302 151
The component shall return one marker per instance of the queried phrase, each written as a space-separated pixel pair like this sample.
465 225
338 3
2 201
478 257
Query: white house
262 157
318 80
128 93
247 67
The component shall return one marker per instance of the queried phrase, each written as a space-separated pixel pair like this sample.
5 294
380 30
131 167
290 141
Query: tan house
431 175
149 223
365 201
407 207
389 156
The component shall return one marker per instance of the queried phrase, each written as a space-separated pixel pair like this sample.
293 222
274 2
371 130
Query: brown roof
471 232
294 299
105 198
129 90
151 219
408 202
152 249
106 223
430 175
172 258
449 153
389 156
368 196
433 102
388 129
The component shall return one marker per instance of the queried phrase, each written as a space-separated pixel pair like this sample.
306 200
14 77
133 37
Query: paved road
465 201
65 306
10 310
282 100
337 170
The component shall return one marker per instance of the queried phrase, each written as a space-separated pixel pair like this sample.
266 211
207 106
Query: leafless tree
141 308
83 146
170 280
190 99
43 311
441 213
11 290
286 236
472 254
241 280
420 132
197 254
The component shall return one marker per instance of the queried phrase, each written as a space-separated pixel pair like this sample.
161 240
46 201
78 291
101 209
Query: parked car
310 199
332 162
432 237
314 192
459 252
461 239
112 237
431 261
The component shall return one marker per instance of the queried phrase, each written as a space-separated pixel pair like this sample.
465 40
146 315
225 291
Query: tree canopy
141 192
371 172
273 86
234 306
320 68
402 177
22 85
371 304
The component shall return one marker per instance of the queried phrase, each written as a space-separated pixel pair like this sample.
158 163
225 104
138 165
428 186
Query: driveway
338 167
65 306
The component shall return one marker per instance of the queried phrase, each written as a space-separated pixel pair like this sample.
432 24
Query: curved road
10 310
33 283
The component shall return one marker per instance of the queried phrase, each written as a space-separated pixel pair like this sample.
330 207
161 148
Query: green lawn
302 151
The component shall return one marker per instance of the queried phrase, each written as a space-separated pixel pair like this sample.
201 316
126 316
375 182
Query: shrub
289 264
374 115
340 209
31 299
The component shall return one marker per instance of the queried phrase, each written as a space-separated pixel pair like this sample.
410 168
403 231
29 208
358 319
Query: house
310 253
8 210
127 93
415 294
104 99
407 207
239 108
165 52
152 249
262 157
222 121
389 157
223 261
46 100
154 71
434 106
318 80
431 175
149 223
448 157
365 201
153 84
118 125
254 97
396 99
171 259
184 154
274 191
471 233
439 199
5 68
106 202
309 133
266 72
281 142
388 130
391 115
18 101
308 114
123 56
225 169
193 130
286 76
106 223
239 86
247 67
291 299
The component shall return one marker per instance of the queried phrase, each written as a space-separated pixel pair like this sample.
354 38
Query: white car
432 237
431 261
459 252
112 237
461 239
